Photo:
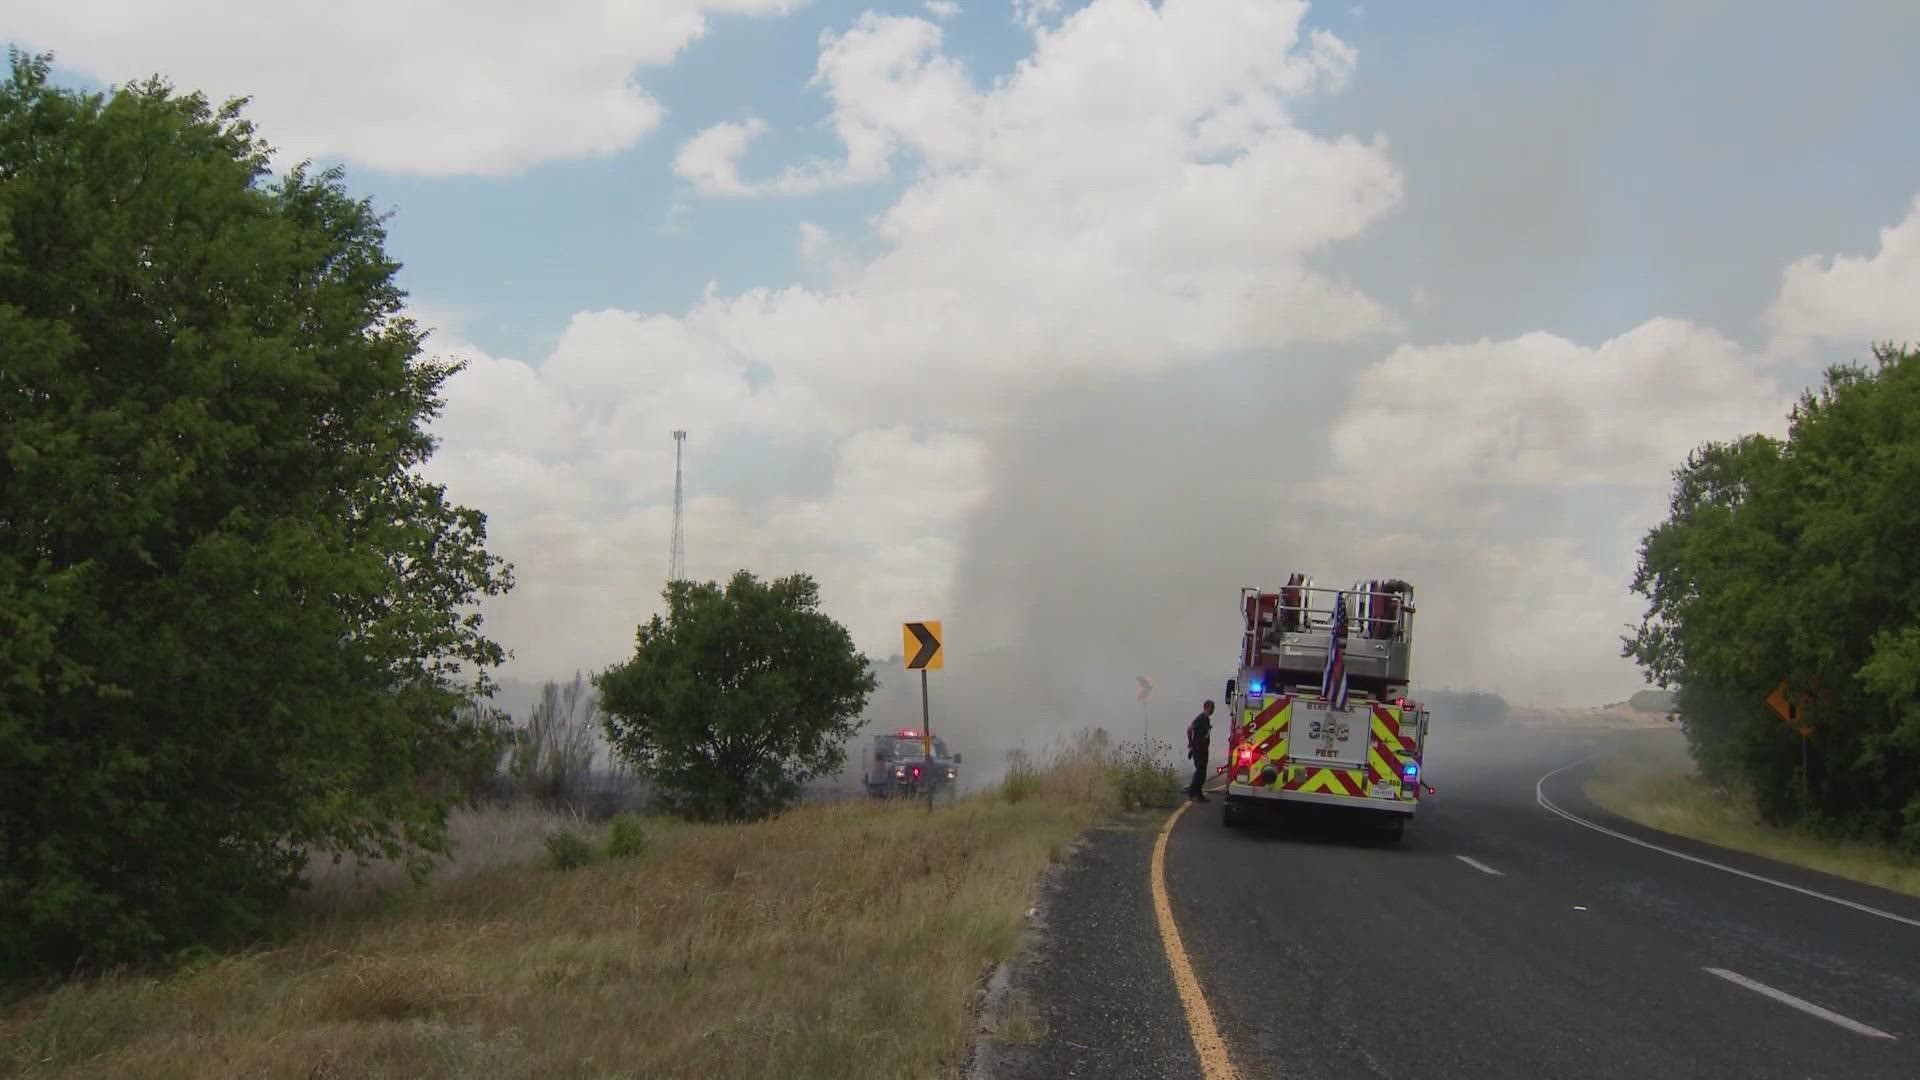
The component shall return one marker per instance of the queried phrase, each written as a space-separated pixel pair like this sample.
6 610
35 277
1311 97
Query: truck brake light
1246 755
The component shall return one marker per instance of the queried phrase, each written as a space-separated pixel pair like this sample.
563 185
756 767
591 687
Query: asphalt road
1498 939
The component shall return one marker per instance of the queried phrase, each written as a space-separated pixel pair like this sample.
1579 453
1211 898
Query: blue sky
1472 349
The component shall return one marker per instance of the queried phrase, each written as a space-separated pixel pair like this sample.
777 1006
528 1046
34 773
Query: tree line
1794 565
237 625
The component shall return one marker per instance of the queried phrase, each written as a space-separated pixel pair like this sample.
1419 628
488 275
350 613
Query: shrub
736 696
568 850
1143 777
626 837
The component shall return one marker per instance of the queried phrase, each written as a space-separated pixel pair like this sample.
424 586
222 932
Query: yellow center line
1214 1063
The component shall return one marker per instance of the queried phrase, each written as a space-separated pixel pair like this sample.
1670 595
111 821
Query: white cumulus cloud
1135 196
425 86
1542 411
1033 13
891 89
711 159
1855 299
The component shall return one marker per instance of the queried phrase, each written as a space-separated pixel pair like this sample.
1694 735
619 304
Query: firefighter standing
1199 732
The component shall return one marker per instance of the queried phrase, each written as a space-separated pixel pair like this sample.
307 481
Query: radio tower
677 556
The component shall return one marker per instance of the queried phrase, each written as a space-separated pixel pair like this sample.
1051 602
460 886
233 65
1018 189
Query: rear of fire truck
1320 709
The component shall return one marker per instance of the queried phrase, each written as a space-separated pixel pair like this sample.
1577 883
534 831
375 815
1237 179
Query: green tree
737 696
1796 560
235 623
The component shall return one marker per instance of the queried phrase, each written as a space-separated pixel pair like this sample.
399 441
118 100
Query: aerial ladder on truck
1319 706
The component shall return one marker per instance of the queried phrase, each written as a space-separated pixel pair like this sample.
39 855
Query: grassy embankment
833 941
1676 801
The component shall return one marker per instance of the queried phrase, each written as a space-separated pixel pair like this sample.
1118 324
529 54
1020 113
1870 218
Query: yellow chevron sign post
1789 711
924 650
921 644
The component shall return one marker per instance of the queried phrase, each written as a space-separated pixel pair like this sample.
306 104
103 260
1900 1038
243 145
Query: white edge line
1540 796
1480 866
1804 1006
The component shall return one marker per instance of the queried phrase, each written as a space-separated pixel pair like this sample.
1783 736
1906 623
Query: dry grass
1679 802
482 838
834 941
1089 766
1018 1022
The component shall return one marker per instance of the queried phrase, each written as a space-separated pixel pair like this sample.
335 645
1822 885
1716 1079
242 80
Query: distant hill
1464 706
1653 701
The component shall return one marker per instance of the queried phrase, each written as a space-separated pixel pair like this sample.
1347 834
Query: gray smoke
1125 516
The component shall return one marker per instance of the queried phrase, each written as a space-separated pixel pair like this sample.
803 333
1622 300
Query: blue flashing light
1255 686
1413 770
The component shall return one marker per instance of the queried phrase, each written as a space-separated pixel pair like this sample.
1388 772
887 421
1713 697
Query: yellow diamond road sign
1789 711
921 644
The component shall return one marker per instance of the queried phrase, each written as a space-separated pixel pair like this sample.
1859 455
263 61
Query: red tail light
1246 755
916 770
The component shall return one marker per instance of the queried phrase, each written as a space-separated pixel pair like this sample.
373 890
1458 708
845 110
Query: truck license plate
1383 790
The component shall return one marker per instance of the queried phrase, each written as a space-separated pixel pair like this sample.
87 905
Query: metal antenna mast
677 557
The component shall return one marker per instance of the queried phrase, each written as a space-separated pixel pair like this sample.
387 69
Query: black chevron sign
920 642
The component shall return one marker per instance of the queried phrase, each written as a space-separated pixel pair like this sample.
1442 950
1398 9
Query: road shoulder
1090 993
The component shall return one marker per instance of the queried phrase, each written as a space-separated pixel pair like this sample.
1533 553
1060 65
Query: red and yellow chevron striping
1387 753
1264 729
1325 781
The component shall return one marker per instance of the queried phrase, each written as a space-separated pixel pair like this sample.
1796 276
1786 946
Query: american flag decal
1333 681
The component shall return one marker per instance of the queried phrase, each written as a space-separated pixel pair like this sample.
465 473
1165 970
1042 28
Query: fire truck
1319 708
